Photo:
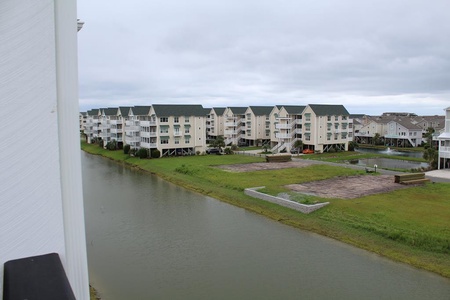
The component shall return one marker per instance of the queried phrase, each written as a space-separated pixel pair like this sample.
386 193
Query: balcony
104 135
177 133
132 128
144 134
283 126
283 136
444 152
116 122
115 130
147 123
298 131
231 124
231 132
132 139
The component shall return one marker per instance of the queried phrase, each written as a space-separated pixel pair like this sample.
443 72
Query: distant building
444 143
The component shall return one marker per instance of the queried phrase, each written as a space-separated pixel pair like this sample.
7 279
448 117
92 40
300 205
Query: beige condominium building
186 129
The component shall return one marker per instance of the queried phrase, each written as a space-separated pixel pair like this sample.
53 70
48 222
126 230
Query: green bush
228 151
133 151
142 153
112 145
155 153
126 149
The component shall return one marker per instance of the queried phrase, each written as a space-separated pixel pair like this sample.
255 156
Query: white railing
116 122
132 128
115 130
283 136
144 134
283 126
132 139
147 123
177 133
298 130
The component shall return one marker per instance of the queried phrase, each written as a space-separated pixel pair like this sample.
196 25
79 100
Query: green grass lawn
341 157
410 225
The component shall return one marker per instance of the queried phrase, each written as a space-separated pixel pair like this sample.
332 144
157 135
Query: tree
298 145
430 154
219 142
376 139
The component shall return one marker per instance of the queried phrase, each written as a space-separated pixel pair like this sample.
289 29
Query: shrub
234 147
126 149
228 151
133 151
112 145
142 153
155 153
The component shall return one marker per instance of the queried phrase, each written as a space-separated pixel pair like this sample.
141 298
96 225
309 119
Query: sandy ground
348 187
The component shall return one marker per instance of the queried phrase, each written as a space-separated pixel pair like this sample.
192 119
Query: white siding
35 218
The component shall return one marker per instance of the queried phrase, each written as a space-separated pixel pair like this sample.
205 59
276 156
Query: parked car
308 151
295 151
214 151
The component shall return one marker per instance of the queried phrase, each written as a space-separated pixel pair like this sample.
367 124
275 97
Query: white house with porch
444 143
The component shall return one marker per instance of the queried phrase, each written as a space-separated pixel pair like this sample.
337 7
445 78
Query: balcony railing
177 133
283 136
132 128
147 123
116 122
132 139
283 126
144 134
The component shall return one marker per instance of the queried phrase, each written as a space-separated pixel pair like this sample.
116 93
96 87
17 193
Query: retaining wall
304 208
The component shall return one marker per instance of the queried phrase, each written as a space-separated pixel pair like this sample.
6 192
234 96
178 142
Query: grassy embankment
410 225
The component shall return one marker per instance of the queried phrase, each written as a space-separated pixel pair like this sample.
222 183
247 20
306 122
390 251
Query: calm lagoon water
149 239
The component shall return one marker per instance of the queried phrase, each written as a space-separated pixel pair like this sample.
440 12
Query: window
267 132
344 118
329 118
308 117
186 129
164 140
336 118
164 119
187 140
186 119
164 129
176 120
177 141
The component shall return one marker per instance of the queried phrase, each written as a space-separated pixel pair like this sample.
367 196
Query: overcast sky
372 56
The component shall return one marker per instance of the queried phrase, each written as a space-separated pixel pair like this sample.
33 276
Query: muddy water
149 239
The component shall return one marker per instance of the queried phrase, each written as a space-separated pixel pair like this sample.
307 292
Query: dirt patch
265 166
348 187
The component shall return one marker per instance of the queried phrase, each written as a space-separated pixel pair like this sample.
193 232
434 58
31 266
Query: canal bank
351 221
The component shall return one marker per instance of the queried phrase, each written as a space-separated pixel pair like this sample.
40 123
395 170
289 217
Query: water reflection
149 239
390 151
388 163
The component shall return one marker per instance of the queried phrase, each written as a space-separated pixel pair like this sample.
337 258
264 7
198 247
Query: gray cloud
266 52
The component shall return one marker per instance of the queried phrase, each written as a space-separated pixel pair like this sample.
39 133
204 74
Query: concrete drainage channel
304 208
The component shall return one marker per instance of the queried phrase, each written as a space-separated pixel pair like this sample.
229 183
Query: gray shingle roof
124 110
294 109
93 112
219 110
329 110
261 110
238 110
141 110
110 111
166 110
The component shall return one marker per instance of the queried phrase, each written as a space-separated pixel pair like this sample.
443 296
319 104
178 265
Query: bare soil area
265 166
341 187
348 187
